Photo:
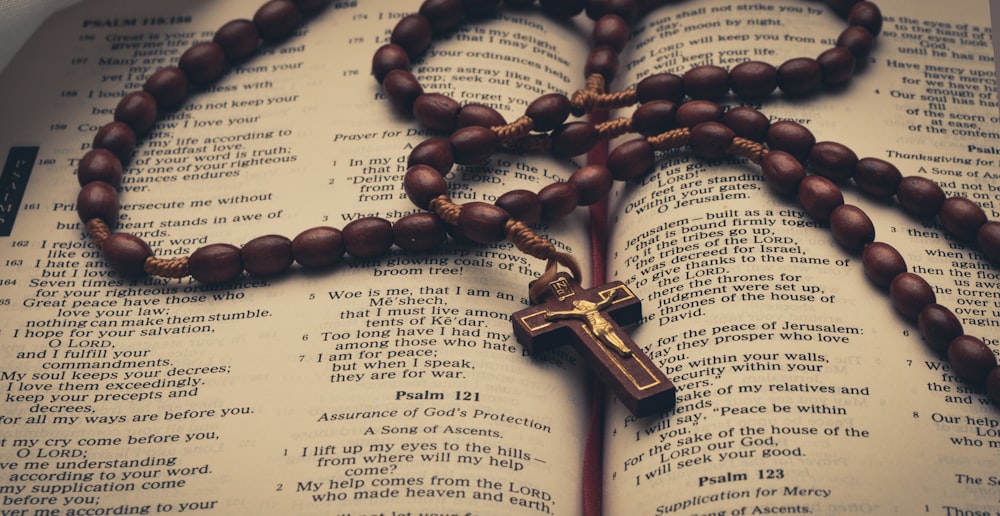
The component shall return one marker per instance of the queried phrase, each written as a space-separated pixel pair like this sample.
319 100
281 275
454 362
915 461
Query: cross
591 319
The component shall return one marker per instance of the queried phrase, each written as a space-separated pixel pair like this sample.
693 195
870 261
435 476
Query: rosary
673 112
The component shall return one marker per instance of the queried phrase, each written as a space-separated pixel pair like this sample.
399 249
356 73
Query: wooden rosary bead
126 253
592 182
563 8
851 227
910 294
419 232
867 15
920 196
711 140
706 82
631 159
747 123
833 161
661 86
962 217
791 137
436 111
474 145
841 7
782 172
877 178
238 39
422 184
882 263
387 58
628 10
483 223
573 139
402 90
753 79
939 327
610 30
276 20
216 263
203 63
858 41
168 85
310 6
972 359
100 165
603 61
436 153
444 15
548 111
694 112
98 199
368 237
481 115
479 8
413 34
654 117
837 66
800 76
267 255
993 384
318 247
988 240
558 200
138 110
522 205
819 197
117 137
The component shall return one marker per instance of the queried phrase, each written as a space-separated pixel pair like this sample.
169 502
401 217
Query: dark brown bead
800 76
833 161
563 8
117 137
413 34
753 79
706 82
882 263
435 153
627 9
920 196
481 115
694 112
522 205
387 58
877 177
311 6
479 8
444 15
710 140
548 111
422 184
782 172
859 41
474 145
819 197
216 263
238 39
791 137
910 294
993 384
972 359
203 63
419 232
938 326
747 123
100 165
962 217
368 237
436 111
276 20
988 240
602 61
661 86
168 85
841 7
138 110
98 199
318 247
851 227
558 200
837 65
126 253
654 117
610 30
631 159
592 182
867 15
482 222
267 255
573 139
402 90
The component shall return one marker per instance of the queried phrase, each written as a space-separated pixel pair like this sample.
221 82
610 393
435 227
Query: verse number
770 474
466 396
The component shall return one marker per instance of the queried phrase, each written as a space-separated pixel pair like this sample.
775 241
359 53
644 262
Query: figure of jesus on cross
590 312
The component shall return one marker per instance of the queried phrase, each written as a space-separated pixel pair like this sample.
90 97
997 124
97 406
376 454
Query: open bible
395 384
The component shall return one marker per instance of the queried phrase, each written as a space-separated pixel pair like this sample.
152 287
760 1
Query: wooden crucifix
591 320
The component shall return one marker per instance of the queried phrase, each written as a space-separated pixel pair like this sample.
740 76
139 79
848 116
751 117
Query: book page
800 389
384 383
